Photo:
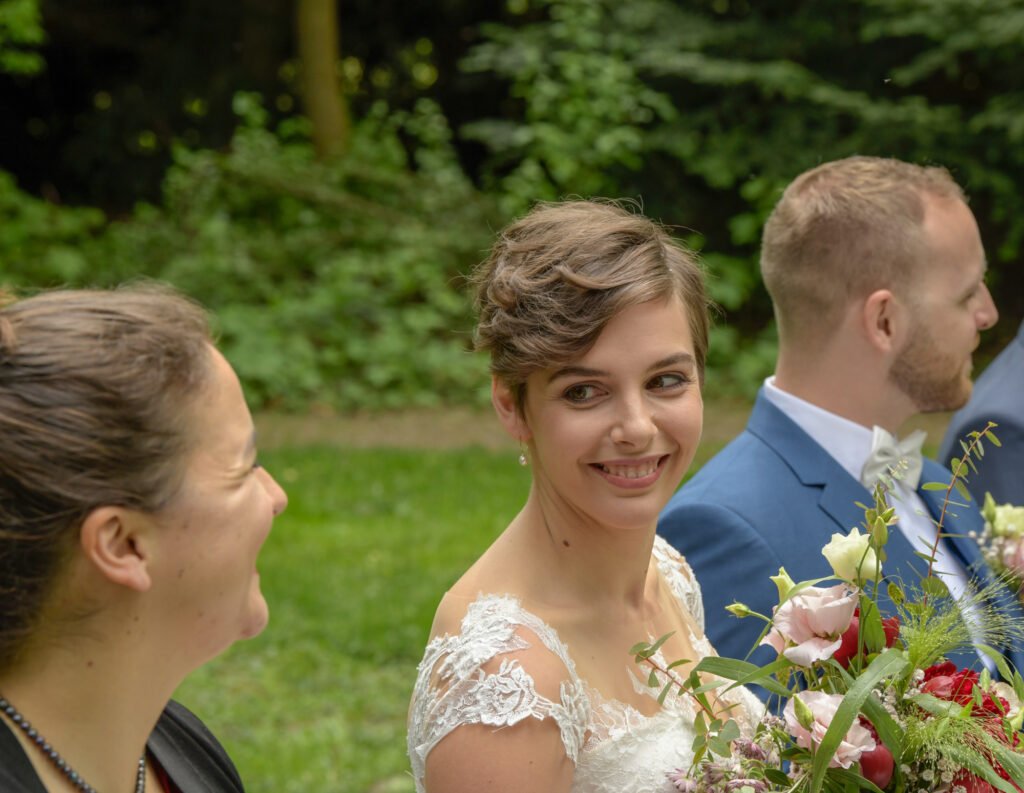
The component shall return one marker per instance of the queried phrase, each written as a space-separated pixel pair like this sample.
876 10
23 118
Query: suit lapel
812 465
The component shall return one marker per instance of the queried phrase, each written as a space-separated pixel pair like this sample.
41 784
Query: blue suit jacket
773 498
998 396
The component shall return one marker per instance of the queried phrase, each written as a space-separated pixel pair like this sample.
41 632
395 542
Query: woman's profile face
213 531
612 433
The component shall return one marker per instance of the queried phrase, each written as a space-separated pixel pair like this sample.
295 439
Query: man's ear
117 543
885 320
505 406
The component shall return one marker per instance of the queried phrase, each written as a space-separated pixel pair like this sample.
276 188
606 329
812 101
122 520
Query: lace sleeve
677 574
478 677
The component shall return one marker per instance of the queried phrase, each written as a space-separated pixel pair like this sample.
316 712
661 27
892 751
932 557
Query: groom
875 268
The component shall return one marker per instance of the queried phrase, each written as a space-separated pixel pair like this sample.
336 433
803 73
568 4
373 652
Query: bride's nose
634 423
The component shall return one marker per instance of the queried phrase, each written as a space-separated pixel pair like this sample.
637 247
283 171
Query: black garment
180 743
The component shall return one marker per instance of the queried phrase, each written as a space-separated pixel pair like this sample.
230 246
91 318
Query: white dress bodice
614 747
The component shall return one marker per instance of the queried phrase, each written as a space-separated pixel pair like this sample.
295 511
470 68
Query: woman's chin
258 617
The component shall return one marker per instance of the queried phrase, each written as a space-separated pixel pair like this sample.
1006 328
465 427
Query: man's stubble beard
931 378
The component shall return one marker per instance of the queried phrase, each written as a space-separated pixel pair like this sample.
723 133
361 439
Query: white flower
852 558
1009 521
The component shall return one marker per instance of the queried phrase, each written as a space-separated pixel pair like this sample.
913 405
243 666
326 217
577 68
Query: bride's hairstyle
843 230
95 396
556 277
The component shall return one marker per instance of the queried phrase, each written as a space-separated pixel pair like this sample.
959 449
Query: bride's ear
505 406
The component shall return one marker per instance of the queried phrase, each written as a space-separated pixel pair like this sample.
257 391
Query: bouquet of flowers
1002 541
867 702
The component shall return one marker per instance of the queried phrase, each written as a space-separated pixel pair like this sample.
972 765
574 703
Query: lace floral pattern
615 748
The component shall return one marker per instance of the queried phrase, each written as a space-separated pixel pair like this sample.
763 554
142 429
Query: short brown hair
845 229
93 388
557 276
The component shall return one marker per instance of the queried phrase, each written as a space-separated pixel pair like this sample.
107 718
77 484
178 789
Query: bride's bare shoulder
486 578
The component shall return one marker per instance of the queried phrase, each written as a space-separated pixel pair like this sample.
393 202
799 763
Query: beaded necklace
55 758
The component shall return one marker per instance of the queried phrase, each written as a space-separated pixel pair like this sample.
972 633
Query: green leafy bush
21 31
41 243
338 282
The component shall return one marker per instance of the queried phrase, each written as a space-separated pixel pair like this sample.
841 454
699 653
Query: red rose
955 687
848 647
848 644
891 626
975 784
876 766
945 668
971 783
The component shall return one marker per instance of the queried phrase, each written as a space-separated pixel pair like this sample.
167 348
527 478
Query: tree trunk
317 31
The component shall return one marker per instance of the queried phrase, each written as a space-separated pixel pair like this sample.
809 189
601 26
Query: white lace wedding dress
614 747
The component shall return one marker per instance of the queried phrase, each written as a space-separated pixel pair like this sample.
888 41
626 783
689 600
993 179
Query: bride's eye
667 381
580 394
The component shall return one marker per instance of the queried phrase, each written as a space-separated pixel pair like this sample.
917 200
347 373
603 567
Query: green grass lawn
352 571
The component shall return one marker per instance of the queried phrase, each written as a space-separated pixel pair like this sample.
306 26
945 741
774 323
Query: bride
596 325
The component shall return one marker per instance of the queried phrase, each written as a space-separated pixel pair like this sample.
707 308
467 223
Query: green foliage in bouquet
867 702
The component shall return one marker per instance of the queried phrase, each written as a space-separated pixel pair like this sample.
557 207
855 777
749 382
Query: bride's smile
632 473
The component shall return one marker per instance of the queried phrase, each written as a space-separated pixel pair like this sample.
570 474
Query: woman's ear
505 406
116 541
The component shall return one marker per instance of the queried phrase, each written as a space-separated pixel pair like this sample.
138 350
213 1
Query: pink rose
1013 556
823 708
808 627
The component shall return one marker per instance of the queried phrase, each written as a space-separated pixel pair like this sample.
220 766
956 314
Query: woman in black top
132 512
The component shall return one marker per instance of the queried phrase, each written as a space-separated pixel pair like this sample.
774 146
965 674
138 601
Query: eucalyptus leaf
730 731
934 586
719 747
961 488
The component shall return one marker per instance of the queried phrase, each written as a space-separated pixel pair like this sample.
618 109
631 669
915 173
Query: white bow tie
888 454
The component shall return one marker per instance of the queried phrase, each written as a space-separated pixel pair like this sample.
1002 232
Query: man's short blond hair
843 230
